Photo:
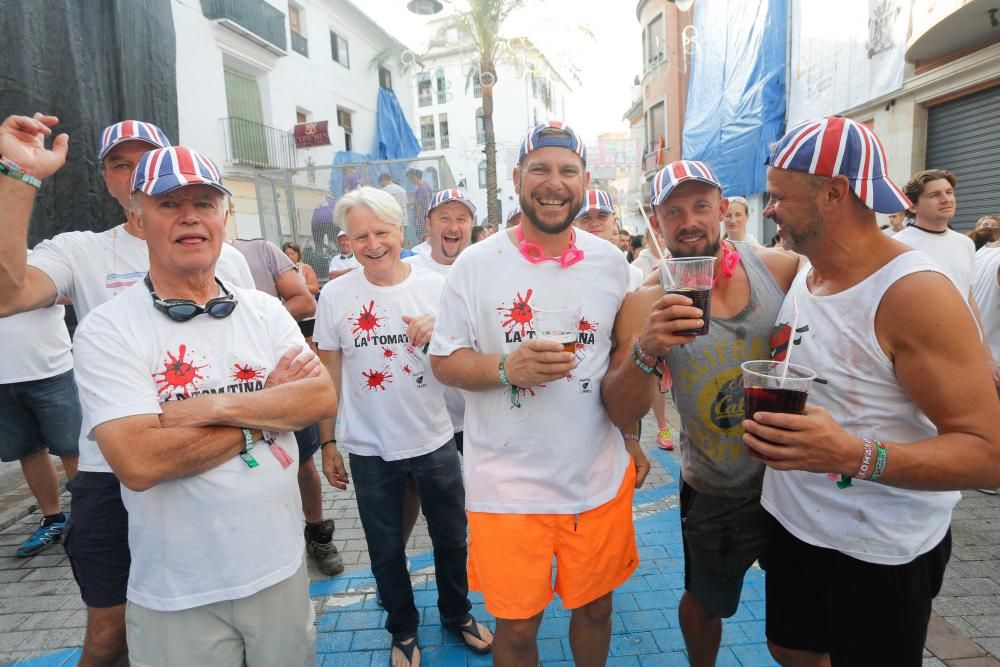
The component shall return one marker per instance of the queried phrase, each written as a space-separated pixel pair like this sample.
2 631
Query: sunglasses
182 310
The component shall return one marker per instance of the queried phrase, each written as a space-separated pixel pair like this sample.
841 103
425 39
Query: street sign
311 134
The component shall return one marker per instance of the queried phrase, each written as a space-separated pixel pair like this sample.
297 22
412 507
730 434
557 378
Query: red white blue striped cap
552 133
445 196
167 169
838 146
515 210
676 173
596 200
131 130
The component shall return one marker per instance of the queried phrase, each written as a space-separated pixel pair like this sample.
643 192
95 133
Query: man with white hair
371 328
87 269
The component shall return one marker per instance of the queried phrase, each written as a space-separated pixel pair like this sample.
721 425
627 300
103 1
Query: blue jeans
379 487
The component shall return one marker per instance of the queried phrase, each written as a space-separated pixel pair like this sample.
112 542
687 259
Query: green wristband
247 446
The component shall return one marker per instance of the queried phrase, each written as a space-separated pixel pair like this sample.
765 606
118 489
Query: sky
601 38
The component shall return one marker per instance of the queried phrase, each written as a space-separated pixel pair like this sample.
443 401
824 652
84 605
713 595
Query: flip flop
406 649
468 625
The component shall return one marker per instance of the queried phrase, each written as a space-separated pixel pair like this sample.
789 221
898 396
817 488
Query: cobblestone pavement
42 618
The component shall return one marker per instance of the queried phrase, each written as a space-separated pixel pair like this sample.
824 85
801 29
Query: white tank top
835 336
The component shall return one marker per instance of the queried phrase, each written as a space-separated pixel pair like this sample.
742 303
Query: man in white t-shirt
547 473
39 413
386 182
932 193
208 378
597 216
345 261
87 269
371 330
859 482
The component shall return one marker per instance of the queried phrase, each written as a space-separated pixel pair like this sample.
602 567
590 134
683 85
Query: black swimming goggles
182 310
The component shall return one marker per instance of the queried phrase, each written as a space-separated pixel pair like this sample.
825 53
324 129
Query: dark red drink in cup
702 298
690 277
773 386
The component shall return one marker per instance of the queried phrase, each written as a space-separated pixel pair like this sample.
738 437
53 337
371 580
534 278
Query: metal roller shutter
963 137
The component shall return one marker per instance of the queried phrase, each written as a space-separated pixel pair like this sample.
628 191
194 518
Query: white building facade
447 112
248 71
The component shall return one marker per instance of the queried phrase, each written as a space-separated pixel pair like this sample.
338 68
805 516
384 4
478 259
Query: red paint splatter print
178 373
388 353
376 380
247 373
518 315
367 322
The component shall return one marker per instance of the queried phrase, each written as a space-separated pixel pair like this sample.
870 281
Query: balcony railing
254 16
300 44
255 145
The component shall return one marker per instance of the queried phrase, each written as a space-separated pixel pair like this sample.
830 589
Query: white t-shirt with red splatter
196 540
391 405
548 449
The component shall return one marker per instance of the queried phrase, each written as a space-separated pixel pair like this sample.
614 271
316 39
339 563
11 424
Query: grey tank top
708 389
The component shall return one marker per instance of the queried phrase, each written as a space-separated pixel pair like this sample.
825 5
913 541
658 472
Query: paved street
42 618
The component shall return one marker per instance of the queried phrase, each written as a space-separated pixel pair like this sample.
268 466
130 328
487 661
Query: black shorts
308 441
861 613
307 327
722 538
96 539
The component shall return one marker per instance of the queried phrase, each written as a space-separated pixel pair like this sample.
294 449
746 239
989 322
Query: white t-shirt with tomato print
391 405
198 539
548 449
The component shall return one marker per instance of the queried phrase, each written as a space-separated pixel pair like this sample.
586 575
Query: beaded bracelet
880 463
866 460
630 436
8 168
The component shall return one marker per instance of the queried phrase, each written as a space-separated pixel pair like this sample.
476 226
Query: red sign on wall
311 134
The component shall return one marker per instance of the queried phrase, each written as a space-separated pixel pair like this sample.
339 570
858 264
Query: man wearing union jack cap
902 414
155 366
87 268
723 526
597 216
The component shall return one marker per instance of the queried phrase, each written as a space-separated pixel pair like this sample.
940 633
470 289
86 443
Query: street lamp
424 7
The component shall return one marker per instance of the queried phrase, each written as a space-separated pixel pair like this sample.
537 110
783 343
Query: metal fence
297 204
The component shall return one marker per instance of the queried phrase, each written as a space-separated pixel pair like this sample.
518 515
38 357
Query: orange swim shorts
510 555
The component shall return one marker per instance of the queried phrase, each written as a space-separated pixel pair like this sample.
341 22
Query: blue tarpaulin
394 140
736 93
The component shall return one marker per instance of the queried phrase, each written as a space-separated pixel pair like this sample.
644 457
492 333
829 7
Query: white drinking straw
652 234
791 343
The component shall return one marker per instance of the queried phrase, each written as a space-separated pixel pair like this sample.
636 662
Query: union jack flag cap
838 146
167 169
596 200
131 130
552 133
676 173
445 196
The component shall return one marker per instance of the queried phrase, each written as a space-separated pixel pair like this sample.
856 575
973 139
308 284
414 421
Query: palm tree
481 24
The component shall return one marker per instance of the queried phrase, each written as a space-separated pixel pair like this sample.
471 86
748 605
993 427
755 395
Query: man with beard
598 217
547 472
723 526
906 409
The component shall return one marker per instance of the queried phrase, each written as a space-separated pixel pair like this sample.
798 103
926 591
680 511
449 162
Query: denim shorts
40 414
